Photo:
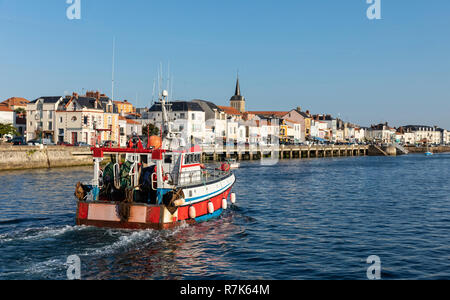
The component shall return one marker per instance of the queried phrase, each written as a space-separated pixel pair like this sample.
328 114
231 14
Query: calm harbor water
299 219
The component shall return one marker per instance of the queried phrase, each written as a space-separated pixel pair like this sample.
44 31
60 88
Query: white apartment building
7 116
380 133
78 119
72 119
41 118
188 119
422 134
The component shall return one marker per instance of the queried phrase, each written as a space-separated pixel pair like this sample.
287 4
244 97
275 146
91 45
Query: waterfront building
295 123
381 133
7 115
331 125
320 130
77 120
360 134
291 131
91 119
339 136
41 118
215 121
305 123
16 103
188 119
122 131
124 107
422 134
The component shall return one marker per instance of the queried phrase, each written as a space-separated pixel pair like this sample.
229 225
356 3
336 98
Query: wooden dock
219 153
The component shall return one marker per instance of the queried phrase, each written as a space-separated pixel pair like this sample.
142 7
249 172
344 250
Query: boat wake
31 234
115 241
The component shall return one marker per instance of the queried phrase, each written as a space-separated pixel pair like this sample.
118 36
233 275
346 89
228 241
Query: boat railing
203 176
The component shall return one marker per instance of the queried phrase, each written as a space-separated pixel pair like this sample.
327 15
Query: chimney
75 95
299 108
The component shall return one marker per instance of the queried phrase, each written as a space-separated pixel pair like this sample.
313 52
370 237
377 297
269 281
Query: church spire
238 88
238 101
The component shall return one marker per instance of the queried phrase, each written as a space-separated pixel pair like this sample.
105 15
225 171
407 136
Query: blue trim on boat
207 217
216 192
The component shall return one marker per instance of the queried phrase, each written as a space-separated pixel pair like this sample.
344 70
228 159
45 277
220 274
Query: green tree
8 129
20 110
150 130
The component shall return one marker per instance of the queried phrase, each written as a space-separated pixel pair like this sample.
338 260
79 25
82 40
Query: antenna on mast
153 94
113 59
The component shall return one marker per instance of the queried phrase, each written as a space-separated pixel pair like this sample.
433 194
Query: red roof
269 113
5 108
132 122
230 110
16 101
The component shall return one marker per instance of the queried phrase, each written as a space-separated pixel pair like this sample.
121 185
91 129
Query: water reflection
305 219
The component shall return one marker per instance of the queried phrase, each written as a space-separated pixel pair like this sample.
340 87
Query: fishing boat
157 187
428 153
233 164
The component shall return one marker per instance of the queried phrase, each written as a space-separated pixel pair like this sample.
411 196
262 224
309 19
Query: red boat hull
104 214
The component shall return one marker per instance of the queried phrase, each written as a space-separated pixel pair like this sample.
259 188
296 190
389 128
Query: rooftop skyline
324 56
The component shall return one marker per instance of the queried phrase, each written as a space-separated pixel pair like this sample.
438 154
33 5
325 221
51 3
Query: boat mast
113 59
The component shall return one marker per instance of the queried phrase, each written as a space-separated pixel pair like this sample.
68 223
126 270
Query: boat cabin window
192 159
168 159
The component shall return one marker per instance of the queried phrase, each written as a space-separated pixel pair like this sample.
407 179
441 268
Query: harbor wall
439 149
27 157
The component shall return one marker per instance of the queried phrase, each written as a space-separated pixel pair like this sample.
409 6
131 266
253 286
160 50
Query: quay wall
27 157
439 149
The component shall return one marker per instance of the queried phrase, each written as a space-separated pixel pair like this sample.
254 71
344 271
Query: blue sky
321 55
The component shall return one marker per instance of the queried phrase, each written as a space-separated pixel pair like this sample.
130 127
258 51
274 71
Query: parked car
18 141
38 142
65 144
82 144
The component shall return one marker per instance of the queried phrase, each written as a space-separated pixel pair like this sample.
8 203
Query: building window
85 120
193 117
50 125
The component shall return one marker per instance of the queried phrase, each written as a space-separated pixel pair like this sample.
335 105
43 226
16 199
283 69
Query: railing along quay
217 153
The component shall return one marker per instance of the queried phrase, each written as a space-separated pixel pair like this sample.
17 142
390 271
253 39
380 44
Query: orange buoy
155 142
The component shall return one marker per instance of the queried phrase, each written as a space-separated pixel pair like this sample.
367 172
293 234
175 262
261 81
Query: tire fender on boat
192 212
233 198
224 204
210 207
